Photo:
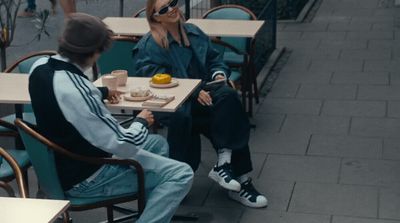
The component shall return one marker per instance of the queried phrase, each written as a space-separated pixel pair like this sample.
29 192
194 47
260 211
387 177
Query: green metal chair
140 14
242 61
15 166
41 152
23 66
118 57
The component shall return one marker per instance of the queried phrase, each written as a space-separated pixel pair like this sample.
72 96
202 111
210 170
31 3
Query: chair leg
66 218
256 95
110 214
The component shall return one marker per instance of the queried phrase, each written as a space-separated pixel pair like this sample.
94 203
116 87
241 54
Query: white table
181 93
16 210
128 26
228 28
14 88
212 27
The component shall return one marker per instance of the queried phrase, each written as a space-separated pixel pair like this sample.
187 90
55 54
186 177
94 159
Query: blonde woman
183 50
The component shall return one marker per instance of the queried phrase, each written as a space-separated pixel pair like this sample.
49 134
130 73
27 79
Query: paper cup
122 76
110 81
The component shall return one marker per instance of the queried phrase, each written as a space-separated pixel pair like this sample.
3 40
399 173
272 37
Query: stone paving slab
382 54
282 217
394 109
316 124
324 35
301 168
383 44
371 92
305 77
370 172
335 199
390 202
331 54
342 219
362 78
382 65
386 35
337 65
354 108
391 149
280 143
343 44
345 26
375 127
346 146
290 106
320 91
284 90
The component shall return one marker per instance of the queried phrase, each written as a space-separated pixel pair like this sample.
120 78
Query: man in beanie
69 111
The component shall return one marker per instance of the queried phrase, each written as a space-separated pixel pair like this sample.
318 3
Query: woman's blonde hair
160 33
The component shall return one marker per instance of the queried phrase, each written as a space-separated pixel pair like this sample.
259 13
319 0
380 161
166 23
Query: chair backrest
24 65
140 14
119 56
236 12
42 159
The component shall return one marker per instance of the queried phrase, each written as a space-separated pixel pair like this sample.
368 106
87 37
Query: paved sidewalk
326 147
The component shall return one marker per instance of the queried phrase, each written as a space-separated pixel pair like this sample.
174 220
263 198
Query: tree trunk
3 58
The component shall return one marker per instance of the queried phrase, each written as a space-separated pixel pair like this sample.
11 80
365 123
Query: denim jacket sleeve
149 60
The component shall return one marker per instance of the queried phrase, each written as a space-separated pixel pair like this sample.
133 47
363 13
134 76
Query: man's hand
147 115
204 98
114 96
219 77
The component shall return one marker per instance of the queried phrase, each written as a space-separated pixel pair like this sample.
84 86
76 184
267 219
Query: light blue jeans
166 183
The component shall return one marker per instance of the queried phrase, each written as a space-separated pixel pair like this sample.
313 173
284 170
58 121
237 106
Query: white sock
224 156
243 178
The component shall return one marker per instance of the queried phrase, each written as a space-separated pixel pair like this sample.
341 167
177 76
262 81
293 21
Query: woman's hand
204 98
114 96
147 115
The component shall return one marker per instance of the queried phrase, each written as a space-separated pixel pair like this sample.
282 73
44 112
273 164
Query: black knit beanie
83 33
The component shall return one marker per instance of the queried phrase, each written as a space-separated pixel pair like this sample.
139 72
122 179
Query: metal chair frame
109 204
249 76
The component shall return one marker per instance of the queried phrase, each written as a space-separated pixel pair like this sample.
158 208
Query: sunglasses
166 8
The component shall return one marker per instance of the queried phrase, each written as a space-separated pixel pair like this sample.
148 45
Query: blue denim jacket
151 58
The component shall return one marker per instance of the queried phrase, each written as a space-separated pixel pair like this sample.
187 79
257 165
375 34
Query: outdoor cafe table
181 93
128 26
13 210
212 27
14 90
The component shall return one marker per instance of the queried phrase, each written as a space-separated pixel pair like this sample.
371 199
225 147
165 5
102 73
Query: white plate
174 82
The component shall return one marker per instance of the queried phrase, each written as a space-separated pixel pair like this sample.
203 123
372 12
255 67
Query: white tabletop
14 88
213 27
129 26
15 210
228 28
181 93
